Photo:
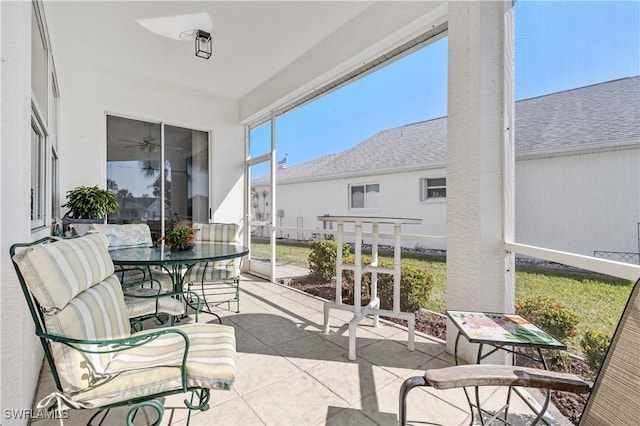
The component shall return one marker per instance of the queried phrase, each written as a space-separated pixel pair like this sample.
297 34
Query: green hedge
552 317
416 284
594 346
322 257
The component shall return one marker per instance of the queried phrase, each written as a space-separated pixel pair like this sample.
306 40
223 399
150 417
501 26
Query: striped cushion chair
216 282
145 296
81 319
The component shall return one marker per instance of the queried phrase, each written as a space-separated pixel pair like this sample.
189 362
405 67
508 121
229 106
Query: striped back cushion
217 232
98 313
121 236
58 272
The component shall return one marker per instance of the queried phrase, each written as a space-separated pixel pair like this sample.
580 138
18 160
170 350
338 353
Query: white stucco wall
580 203
89 93
20 352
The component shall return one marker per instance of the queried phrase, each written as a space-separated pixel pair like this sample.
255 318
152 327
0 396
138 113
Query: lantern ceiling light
203 44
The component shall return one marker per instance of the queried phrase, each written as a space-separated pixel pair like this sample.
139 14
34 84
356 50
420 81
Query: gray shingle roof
604 115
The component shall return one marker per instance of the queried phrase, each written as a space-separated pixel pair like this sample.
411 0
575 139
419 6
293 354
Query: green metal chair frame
202 395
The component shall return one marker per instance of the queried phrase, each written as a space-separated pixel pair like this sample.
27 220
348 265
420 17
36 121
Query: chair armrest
505 375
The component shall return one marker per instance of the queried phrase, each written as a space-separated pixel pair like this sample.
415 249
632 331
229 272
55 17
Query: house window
433 188
37 195
364 196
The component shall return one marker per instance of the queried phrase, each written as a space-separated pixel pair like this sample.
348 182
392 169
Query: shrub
594 346
554 318
415 288
322 257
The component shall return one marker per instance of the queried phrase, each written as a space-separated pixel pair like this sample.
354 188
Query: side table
502 332
373 307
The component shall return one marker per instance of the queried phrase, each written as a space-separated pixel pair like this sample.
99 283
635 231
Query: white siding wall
580 203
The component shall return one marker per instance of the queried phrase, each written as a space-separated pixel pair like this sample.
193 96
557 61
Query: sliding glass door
160 173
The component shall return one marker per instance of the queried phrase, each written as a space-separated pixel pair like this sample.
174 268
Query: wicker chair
216 282
80 317
614 398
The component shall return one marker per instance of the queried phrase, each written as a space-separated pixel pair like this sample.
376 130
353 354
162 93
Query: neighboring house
577 174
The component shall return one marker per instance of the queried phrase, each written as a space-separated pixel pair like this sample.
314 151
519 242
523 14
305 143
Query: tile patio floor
290 373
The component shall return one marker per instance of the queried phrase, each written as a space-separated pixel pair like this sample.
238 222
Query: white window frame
426 187
44 122
38 172
366 206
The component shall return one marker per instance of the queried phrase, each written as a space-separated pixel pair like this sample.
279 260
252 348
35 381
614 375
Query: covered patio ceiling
258 46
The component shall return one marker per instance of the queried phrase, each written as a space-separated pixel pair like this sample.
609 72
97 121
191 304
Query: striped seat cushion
217 232
57 272
97 313
217 271
154 367
150 305
121 236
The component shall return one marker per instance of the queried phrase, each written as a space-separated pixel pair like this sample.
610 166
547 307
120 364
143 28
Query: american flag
282 164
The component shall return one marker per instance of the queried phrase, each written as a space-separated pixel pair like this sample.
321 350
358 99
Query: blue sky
559 46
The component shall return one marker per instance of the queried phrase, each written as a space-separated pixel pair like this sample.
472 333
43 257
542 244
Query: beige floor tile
291 373
295 400
278 332
247 343
257 371
348 416
351 380
363 338
308 351
421 407
232 413
248 321
393 356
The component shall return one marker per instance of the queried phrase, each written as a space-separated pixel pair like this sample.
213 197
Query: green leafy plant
552 317
90 202
415 288
322 257
180 237
594 346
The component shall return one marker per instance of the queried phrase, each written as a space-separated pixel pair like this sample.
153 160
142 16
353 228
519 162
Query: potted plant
89 205
181 237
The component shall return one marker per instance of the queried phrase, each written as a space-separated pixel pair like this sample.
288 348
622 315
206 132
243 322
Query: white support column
478 193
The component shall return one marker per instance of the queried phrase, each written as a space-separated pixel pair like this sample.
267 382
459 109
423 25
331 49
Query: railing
619 256
600 265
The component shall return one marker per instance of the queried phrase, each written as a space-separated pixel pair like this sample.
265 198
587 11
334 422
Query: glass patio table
502 332
177 263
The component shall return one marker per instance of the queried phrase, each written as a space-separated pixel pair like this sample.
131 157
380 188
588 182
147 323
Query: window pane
37 193
39 71
357 197
55 198
187 161
133 171
260 140
436 193
372 196
436 182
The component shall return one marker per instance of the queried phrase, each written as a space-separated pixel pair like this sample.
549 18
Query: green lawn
597 300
